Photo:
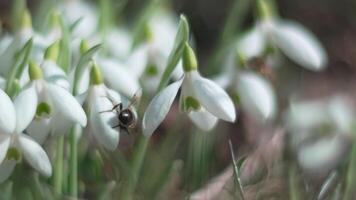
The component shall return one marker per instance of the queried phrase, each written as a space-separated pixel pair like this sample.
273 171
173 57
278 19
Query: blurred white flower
321 130
25 32
14 143
56 110
293 39
75 10
202 99
256 94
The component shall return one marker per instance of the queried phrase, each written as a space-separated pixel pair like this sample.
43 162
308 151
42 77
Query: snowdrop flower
75 10
256 94
118 76
14 143
321 131
50 102
202 99
24 33
294 40
98 99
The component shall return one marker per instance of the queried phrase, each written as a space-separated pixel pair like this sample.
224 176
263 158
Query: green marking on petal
13 154
151 70
191 103
43 110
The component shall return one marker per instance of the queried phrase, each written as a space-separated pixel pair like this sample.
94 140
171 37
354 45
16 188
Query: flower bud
84 46
52 51
25 21
189 59
96 77
34 71
264 9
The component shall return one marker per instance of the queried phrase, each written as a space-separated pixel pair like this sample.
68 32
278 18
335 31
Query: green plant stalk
73 165
136 166
351 175
232 27
58 167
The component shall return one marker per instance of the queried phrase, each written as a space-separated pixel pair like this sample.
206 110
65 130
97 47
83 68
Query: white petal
4 146
257 95
39 129
35 155
118 42
6 169
7 114
66 104
322 154
341 113
252 44
119 78
159 107
25 106
138 60
214 98
54 74
101 123
300 45
307 115
203 119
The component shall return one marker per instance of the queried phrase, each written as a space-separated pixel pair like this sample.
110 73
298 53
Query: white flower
201 98
54 107
119 77
295 41
98 99
257 95
14 143
321 130
83 11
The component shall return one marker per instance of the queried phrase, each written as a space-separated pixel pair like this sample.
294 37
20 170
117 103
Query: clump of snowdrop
293 39
203 100
98 99
321 130
14 143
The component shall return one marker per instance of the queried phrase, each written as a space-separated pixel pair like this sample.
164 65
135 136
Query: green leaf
181 38
83 62
328 185
237 166
64 58
18 67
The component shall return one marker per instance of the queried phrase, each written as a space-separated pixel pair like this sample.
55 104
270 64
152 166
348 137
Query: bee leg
116 126
113 108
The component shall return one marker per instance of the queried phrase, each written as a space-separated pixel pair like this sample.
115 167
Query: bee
127 117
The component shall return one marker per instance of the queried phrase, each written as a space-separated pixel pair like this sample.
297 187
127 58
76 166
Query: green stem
58 168
136 166
351 175
73 165
232 26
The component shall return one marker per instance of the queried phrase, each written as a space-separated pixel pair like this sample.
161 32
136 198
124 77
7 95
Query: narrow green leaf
64 58
328 185
237 166
83 62
181 38
18 67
